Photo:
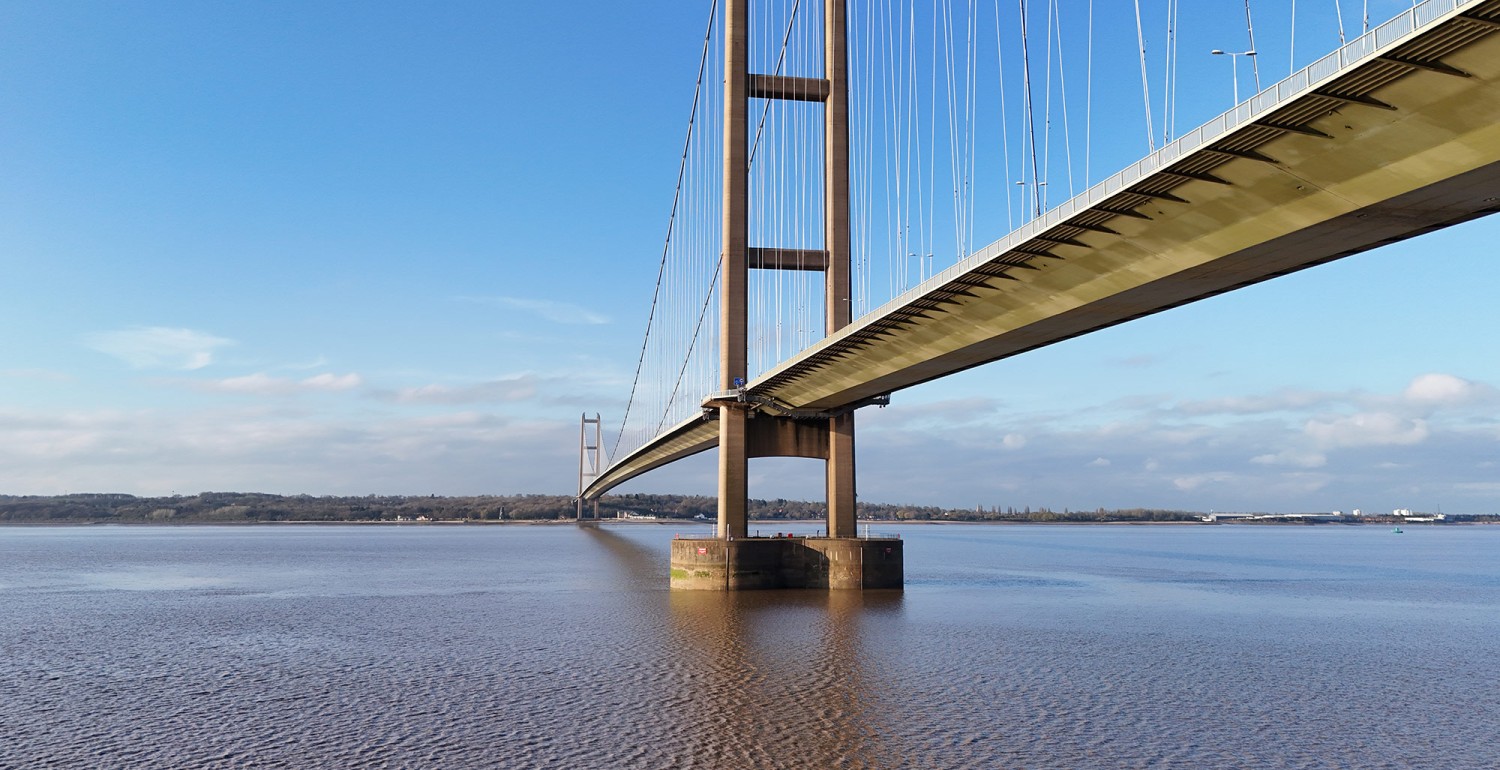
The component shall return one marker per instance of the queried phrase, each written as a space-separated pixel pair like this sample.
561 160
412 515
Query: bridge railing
1284 91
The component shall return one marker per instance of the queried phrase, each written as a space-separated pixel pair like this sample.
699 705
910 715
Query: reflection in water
781 676
765 678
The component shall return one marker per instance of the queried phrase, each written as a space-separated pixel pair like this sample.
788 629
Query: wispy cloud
1434 390
1280 450
551 310
1280 401
1297 458
504 390
317 363
158 347
40 375
1368 429
937 413
283 450
266 385
1366 450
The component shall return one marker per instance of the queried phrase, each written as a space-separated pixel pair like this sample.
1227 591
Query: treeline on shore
241 507
227 507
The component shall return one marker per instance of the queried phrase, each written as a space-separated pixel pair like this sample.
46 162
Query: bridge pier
842 521
755 563
734 472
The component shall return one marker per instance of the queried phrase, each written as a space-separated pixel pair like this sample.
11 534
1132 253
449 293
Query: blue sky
299 248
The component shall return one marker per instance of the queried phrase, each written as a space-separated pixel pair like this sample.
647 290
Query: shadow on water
643 567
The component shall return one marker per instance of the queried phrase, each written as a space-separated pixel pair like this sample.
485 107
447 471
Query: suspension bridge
813 173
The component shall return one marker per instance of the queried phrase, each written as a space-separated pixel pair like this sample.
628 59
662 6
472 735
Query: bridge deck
1393 136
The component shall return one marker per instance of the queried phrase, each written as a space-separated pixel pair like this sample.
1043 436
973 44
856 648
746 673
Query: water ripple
510 647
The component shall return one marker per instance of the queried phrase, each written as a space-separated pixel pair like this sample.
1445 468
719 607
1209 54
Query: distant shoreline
765 525
679 510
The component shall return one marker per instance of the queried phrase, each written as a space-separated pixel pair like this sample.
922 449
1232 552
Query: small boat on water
1396 531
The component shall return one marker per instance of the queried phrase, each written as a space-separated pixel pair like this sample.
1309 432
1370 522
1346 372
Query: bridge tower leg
734 466
836 240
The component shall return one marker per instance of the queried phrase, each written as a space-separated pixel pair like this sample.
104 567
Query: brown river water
558 647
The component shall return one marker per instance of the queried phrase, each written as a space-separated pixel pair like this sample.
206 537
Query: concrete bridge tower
749 429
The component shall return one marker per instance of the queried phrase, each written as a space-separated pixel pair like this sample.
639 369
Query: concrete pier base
745 564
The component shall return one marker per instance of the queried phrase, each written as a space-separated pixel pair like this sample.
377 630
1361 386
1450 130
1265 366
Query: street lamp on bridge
1234 59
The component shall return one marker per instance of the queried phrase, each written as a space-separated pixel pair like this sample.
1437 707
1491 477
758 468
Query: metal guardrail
1387 35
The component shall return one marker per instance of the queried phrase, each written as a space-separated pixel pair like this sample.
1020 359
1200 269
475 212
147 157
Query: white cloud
317 363
1367 429
158 347
283 450
1292 457
40 375
551 310
503 390
1342 446
328 381
1444 389
958 411
264 384
1281 401
1194 481
1366 450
